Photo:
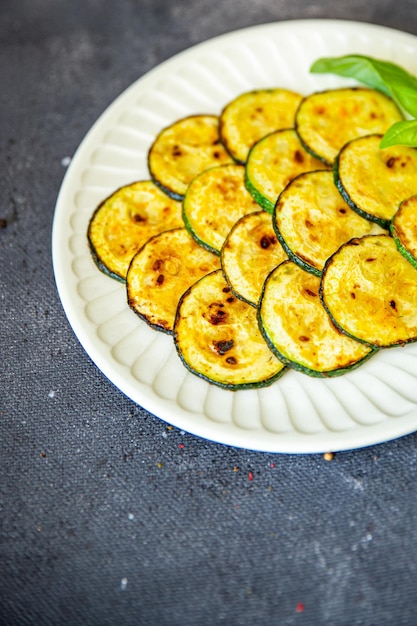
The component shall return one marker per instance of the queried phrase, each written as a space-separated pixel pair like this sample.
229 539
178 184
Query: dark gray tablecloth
109 517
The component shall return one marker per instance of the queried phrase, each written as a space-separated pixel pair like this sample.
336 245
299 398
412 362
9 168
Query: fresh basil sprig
384 76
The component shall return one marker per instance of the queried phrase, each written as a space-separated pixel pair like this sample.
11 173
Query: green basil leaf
387 77
401 134
351 66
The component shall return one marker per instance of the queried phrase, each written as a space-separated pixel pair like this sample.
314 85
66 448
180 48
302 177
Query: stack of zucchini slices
275 235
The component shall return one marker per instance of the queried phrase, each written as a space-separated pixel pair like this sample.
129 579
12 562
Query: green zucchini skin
346 197
273 162
124 221
373 180
184 149
215 200
298 260
165 266
254 114
248 254
311 220
101 266
259 198
401 231
325 121
382 318
217 337
402 249
355 354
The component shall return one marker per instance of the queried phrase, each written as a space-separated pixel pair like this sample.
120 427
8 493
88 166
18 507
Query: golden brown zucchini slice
273 162
218 339
214 201
374 181
249 253
253 115
160 273
404 229
183 150
298 329
327 120
125 221
370 291
312 220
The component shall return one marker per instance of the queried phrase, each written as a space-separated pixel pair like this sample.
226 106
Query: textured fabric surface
107 515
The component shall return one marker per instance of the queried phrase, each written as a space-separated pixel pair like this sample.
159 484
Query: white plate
297 414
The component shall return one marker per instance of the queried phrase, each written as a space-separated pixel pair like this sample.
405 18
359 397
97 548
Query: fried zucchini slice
123 222
161 271
273 162
250 252
218 339
214 202
312 220
298 329
183 150
404 229
327 120
374 181
370 291
254 114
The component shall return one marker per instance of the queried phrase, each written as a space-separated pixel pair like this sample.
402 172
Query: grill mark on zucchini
125 220
183 150
325 121
373 181
254 114
217 337
370 292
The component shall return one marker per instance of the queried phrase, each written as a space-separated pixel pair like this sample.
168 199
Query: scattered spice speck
181 445
43 455
272 465
235 469
328 456
300 607
250 476
159 465
170 428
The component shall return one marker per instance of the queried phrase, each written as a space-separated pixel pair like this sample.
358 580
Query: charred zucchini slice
312 220
160 273
214 201
183 150
253 115
273 162
218 339
125 221
298 329
374 181
370 291
327 120
404 229
250 252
